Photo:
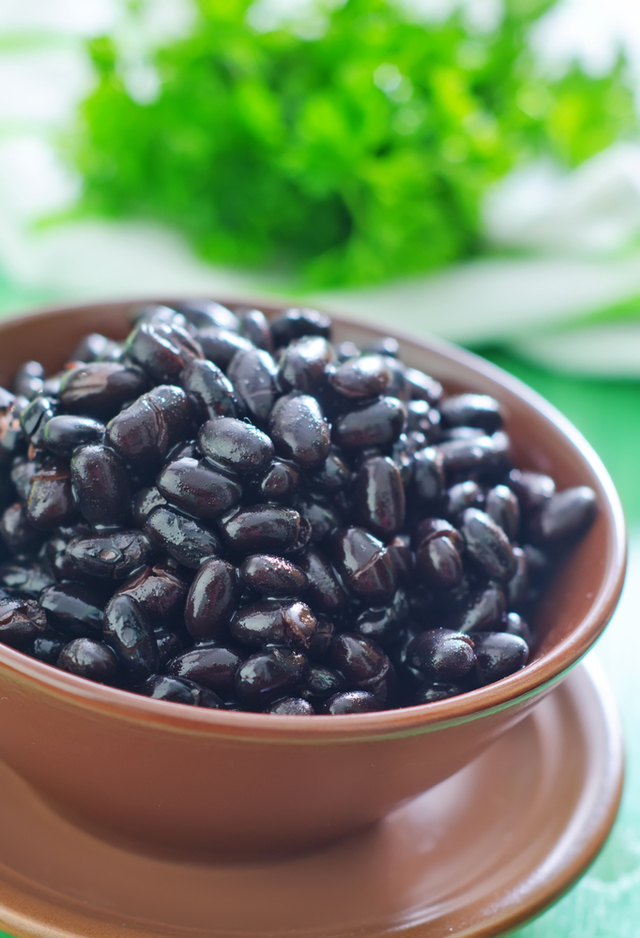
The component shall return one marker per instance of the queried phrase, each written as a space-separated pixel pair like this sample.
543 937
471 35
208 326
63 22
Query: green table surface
606 901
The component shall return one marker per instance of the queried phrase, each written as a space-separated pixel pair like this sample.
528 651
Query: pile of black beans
228 512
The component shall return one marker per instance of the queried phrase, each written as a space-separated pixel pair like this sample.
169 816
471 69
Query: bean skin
261 529
211 390
161 593
295 323
17 533
212 599
502 505
272 576
94 347
161 350
196 489
304 364
185 539
564 515
517 589
47 647
144 433
101 486
321 515
291 706
255 327
362 377
113 556
442 655
299 430
129 634
64 433
379 496
353 701
21 621
74 608
220 345
516 625
50 501
531 488
90 659
253 375
360 660
422 387
471 410
429 693
268 675
498 654
428 474
144 501
235 445
210 665
179 690
101 389
325 591
438 560
29 380
29 580
376 424
364 563
169 646
203 313
274 623
322 683
461 496
482 609
277 483
488 545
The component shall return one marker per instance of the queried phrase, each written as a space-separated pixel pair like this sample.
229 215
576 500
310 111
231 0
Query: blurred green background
469 168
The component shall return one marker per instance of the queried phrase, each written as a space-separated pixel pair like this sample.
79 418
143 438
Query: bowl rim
532 680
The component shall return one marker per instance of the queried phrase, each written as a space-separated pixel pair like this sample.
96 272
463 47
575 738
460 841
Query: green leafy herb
353 156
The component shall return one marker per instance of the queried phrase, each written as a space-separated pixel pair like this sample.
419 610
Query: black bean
74 608
22 472
211 390
29 380
516 625
531 488
50 501
202 313
47 647
382 624
16 531
325 591
144 501
498 654
295 323
101 485
442 655
94 347
28 579
321 515
379 496
471 410
21 621
439 562
169 646
253 375
352 701
365 564
179 690
304 363
114 556
401 557
488 545
210 665
64 433
269 675
291 706
274 623
34 418
261 529
481 609
422 387
277 483
501 504
161 593
162 350
517 589
198 490
235 445
428 474
185 539
129 633
272 576
564 515
219 345
376 424
90 659
429 693
362 377
101 389
149 428
321 683
299 430
461 496
212 599
255 327
333 475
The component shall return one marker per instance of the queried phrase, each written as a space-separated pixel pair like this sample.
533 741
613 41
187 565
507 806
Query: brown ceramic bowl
165 777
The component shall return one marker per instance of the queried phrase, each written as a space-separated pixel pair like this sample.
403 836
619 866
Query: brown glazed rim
351 727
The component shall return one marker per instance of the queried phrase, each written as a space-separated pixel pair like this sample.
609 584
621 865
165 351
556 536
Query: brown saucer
476 855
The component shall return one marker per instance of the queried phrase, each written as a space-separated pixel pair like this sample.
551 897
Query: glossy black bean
90 659
461 496
428 474
74 608
185 539
29 380
253 375
277 483
376 424
352 701
12 439
197 489
101 389
17 533
304 363
360 660
211 390
179 690
436 527
162 350
254 326
439 562
236 445
22 472
401 557
472 455
423 418
261 529
161 593
538 563
130 634
21 621
100 483
471 410
210 665
517 589
322 683
272 576
220 345
64 433
488 545
34 418
321 514
145 432
516 625
274 623
379 496
156 314
291 706
169 644
51 500
442 655
47 647
429 693
501 504
212 599
203 313
498 654
362 377
28 579
364 564
325 592
114 556
531 488
269 675
144 501
382 624
332 476
565 515
422 387
94 347
482 609
299 430
295 323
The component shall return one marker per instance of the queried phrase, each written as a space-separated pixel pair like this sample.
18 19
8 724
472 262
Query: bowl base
478 854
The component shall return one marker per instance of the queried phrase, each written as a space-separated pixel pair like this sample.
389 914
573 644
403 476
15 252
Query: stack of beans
231 513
